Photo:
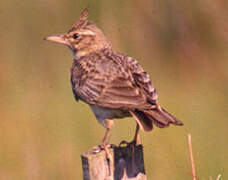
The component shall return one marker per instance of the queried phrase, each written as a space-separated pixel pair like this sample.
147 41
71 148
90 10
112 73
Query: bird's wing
112 85
142 79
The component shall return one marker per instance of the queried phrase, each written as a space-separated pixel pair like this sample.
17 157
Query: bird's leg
105 145
109 124
136 139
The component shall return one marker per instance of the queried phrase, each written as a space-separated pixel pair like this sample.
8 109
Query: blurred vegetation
182 44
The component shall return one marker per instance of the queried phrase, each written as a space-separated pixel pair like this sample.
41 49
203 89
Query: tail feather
172 118
159 116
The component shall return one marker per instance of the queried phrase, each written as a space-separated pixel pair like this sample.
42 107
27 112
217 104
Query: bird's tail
158 116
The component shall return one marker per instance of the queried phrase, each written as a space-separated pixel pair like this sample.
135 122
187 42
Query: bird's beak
57 39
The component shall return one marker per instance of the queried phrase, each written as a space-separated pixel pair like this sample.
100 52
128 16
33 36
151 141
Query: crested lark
113 84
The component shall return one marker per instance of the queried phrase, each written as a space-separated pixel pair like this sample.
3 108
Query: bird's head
83 38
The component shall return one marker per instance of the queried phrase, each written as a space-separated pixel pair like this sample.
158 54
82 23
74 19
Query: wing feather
112 84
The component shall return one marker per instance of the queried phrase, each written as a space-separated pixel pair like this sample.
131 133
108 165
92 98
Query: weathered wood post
124 163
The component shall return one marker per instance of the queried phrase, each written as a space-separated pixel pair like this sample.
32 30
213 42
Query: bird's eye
75 36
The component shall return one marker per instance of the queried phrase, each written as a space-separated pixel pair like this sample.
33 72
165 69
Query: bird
113 84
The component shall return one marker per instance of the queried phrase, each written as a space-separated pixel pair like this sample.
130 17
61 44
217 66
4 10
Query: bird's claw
108 154
100 147
127 144
103 146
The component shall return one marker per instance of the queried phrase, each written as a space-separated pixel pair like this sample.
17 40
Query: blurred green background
182 44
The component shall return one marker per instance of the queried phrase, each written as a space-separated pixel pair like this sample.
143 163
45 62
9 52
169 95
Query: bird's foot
103 146
106 148
127 144
136 140
108 154
132 143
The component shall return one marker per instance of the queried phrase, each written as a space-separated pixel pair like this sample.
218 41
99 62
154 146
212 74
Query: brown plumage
113 84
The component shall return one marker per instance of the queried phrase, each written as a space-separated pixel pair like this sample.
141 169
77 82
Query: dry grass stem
191 157
219 177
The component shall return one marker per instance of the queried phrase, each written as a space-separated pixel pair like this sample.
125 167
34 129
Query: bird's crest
82 20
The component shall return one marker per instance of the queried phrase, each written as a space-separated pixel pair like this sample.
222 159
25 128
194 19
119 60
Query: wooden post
123 163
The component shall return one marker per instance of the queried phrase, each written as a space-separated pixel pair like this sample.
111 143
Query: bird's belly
103 113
